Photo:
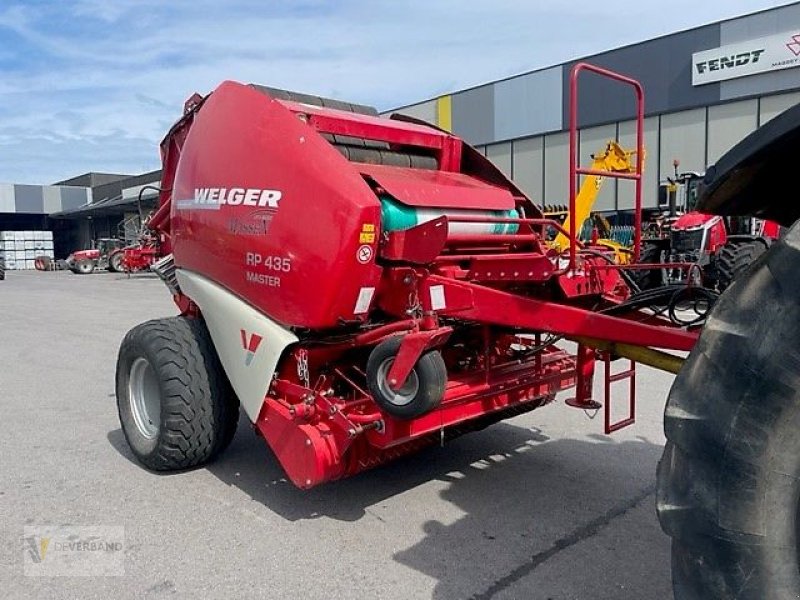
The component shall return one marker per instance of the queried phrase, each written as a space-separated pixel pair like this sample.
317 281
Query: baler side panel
301 254
249 344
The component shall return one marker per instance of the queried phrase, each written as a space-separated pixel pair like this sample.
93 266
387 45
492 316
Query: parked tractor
719 248
106 253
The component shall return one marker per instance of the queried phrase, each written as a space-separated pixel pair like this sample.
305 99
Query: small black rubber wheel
423 390
83 267
648 279
729 479
734 258
176 406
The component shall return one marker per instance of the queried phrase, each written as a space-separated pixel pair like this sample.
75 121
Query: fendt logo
729 61
250 344
214 198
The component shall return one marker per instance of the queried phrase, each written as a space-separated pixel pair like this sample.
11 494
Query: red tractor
105 254
720 248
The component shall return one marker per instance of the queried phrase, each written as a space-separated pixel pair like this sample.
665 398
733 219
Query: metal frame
575 169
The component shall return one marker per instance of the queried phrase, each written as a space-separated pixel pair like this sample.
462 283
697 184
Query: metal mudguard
756 176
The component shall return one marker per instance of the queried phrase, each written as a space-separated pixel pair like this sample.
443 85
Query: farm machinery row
362 287
113 255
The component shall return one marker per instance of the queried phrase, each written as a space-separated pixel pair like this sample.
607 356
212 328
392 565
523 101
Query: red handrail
575 170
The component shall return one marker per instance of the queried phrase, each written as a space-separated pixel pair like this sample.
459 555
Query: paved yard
542 506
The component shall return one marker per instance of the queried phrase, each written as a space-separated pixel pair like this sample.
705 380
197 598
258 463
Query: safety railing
576 170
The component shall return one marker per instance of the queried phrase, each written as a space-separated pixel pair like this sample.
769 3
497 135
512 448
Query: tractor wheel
83 267
729 479
115 262
734 258
648 279
2 268
422 391
175 403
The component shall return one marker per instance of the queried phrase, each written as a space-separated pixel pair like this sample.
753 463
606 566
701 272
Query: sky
93 85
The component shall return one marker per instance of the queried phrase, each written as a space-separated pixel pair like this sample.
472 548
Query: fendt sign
781 51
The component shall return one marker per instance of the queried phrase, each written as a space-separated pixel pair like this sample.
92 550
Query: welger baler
361 286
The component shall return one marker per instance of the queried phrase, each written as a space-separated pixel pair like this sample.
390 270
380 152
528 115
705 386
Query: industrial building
80 209
705 89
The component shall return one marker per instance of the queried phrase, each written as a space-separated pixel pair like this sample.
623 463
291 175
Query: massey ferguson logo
730 61
213 198
250 344
794 45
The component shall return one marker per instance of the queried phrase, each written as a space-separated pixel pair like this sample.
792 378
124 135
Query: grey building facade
705 89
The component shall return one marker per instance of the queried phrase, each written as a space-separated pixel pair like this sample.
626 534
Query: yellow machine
615 159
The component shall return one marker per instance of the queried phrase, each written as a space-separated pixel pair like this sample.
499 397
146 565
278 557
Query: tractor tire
2 268
729 479
115 262
734 258
648 279
176 406
424 387
83 267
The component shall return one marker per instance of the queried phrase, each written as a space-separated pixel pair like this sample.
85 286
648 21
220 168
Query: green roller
396 216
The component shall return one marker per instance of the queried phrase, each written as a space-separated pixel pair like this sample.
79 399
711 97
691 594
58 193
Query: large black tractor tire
423 389
729 479
115 262
734 258
83 267
176 406
648 279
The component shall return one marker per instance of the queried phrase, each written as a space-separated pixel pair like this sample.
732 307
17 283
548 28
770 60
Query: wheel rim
145 398
406 394
84 267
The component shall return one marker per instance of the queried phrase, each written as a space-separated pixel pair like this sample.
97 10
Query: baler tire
197 409
729 478
648 279
734 258
429 373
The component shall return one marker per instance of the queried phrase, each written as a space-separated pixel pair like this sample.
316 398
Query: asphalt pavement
543 506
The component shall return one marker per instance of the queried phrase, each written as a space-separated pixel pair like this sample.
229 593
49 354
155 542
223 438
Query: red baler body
278 205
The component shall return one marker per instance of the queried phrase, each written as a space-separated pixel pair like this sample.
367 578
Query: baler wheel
83 267
729 479
423 390
176 406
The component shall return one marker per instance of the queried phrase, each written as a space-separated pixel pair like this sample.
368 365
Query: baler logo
214 198
250 345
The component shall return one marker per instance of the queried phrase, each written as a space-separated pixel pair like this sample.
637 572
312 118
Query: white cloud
101 81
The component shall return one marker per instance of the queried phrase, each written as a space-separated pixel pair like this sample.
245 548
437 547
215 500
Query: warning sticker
366 238
364 254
